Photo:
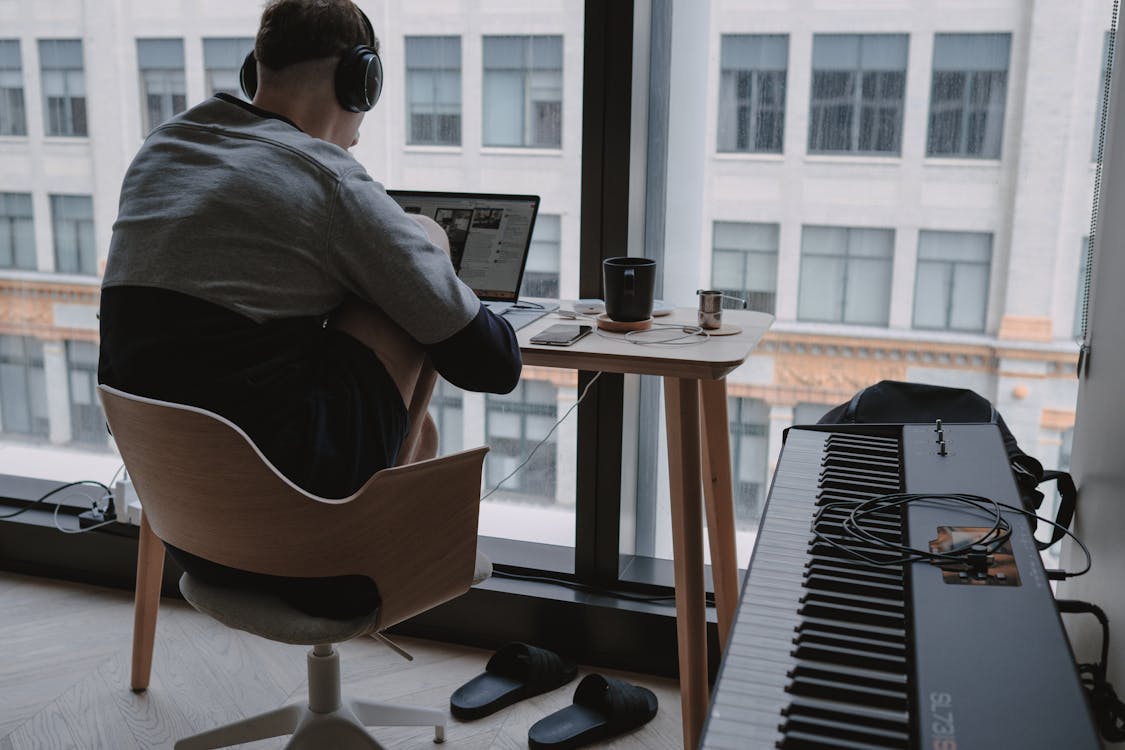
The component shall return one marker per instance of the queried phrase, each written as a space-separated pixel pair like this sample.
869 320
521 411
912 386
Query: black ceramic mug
629 283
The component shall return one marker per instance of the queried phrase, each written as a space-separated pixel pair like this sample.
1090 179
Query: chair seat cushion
269 616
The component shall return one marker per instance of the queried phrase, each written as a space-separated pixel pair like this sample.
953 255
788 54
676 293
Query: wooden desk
695 403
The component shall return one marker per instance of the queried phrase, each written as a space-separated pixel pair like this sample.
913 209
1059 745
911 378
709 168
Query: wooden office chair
206 489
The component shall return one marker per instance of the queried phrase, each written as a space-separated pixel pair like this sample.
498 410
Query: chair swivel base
326 723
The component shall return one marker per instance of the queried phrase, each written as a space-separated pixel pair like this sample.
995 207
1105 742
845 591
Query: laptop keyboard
517 314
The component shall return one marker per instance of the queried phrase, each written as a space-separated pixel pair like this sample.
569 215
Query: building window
13 116
967 96
858 87
433 90
846 275
749 447
23 386
17 232
951 286
64 86
72 217
523 91
163 88
446 410
541 277
744 262
222 61
752 92
87 424
514 425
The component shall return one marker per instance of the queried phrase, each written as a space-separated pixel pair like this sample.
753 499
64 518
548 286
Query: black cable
1108 709
912 554
68 485
991 539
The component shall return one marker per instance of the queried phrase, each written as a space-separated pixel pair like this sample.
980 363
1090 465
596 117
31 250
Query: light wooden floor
64 678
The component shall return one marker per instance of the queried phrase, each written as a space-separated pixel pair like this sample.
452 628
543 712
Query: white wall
1099 432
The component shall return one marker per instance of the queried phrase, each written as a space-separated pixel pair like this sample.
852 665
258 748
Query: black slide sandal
603 707
516 671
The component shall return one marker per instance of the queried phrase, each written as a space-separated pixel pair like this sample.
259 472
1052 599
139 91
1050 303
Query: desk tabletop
710 359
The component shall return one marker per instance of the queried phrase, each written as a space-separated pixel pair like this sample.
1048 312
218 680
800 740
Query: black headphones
359 75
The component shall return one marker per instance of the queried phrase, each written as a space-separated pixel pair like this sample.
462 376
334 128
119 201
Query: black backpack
893 402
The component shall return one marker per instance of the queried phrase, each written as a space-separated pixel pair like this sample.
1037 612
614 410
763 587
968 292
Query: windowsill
849 158
521 151
421 148
736 156
69 140
962 161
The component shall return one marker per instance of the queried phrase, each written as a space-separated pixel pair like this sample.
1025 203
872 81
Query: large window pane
846 275
541 278
433 90
163 86
744 263
17 231
63 80
72 219
967 98
951 290
13 116
858 87
23 392
752 92
222 61
523 91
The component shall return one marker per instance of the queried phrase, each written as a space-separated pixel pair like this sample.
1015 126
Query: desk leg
681 404
146 602
719 501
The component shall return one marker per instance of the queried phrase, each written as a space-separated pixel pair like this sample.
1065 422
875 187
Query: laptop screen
489 235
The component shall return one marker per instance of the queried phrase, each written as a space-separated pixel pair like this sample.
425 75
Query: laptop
489 240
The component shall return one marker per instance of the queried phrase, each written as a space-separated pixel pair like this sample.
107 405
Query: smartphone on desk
561 334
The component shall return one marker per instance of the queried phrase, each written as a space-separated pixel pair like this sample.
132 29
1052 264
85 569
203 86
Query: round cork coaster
724 330
607 323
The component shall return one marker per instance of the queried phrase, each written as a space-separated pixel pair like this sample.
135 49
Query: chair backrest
205 488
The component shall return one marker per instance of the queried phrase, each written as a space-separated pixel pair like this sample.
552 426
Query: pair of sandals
603 707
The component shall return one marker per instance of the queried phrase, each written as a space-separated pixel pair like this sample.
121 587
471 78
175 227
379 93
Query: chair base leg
342 728
274 723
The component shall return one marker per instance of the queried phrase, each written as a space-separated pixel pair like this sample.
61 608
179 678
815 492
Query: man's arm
483 356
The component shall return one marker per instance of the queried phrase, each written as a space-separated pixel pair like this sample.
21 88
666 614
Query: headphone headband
359 74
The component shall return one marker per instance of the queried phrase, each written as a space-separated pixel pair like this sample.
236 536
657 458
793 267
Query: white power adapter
589 307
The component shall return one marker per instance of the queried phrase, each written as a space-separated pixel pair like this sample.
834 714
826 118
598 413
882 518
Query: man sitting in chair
258 271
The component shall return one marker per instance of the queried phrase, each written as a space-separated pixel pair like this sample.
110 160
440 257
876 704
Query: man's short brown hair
294 31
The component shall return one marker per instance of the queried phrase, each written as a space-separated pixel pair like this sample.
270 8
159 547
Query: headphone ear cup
359 79
248 75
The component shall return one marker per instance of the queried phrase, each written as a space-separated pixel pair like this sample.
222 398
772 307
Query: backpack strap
853 406
1068 495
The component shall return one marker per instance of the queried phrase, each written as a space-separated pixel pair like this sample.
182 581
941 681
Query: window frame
855 101
434 72
749 108
64 116
13 99
949 293
527 106
162 84
969 111
846 259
